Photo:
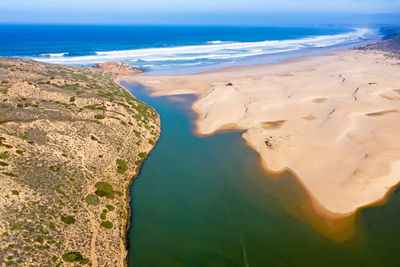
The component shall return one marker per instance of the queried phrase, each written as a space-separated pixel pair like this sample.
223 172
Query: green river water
205 201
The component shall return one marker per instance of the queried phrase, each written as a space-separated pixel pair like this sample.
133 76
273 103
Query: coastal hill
71 141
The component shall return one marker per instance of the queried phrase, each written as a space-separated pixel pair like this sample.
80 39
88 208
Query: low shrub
104 189
99 116
92 200
68 219
107 224
4 156
75 257
121 166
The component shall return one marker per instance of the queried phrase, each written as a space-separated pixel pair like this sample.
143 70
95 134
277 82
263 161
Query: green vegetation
110 207
9 174
55 168
121 166
40 239
104 189
68 219
142 155
4 155
96 107
107 224
15 192
75 257
92 200
99 116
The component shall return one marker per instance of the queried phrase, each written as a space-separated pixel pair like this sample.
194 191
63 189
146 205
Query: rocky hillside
71 141
117 67
390 44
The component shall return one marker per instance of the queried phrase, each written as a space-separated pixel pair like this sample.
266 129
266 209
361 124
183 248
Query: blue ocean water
166 47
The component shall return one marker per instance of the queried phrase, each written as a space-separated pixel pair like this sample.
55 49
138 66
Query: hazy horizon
206 12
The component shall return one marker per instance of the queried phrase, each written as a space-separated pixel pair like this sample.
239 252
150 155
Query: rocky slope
389 45
117 67
71 141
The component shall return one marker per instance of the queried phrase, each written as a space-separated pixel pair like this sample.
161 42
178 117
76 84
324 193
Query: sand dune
332 120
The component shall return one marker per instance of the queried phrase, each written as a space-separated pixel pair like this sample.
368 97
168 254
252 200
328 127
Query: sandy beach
332 120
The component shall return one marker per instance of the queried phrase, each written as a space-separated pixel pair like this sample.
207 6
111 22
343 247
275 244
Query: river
205 201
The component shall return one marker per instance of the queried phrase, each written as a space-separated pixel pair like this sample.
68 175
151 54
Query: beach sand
332 120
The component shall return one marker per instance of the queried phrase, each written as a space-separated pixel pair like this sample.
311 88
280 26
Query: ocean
158 48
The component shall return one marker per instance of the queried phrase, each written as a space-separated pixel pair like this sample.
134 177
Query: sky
190 12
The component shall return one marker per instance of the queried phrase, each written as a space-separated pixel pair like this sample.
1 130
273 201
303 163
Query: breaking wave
212 51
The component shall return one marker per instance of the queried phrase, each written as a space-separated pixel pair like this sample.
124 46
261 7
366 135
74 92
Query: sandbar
332 120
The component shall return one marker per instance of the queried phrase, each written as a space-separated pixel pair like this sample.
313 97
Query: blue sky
148 11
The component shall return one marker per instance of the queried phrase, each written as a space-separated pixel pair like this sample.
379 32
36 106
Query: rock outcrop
120 68
390 45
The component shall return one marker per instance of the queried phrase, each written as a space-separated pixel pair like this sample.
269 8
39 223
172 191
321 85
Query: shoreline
166 90
164 85
132 180
128 201
336 227
266 59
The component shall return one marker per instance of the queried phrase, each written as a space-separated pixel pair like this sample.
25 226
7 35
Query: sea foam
212 51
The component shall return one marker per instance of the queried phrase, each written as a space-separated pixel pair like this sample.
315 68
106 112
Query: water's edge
145 225
128 189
